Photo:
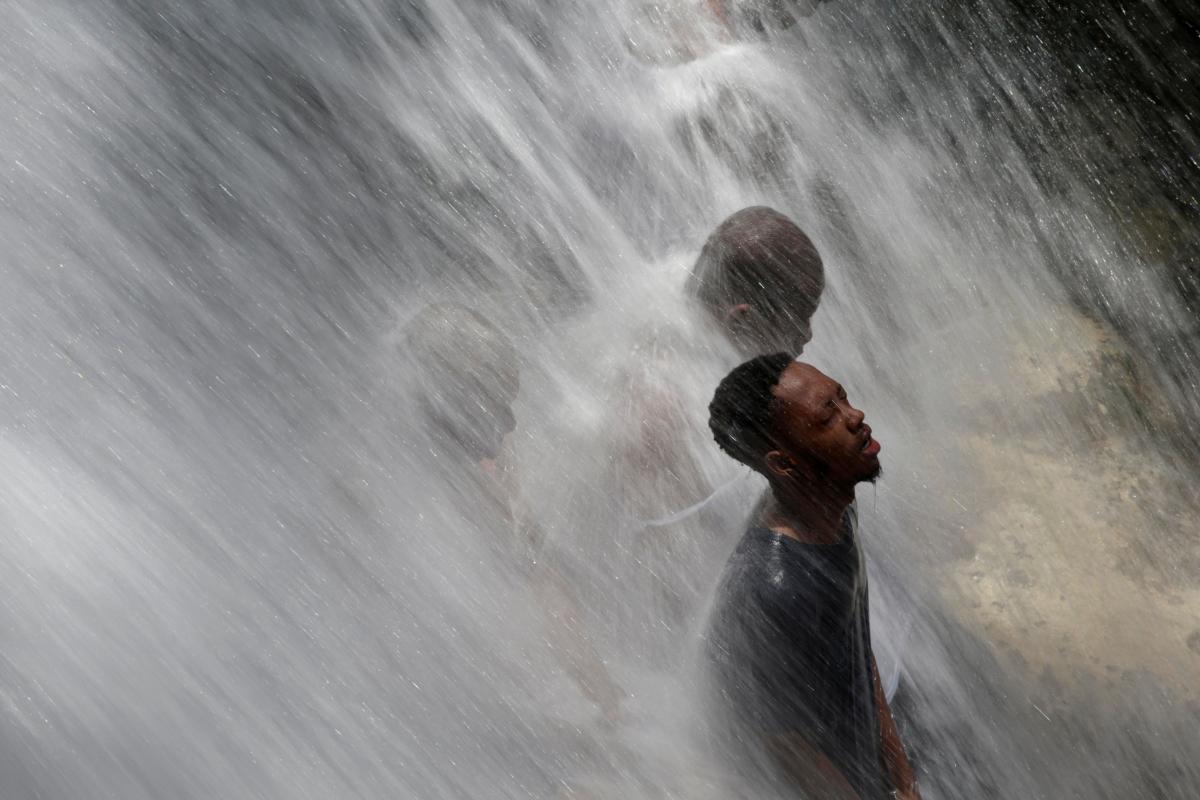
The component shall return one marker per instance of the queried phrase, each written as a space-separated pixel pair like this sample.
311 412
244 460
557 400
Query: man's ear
737 313
779 464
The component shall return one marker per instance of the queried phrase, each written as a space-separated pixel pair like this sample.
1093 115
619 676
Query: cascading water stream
233 565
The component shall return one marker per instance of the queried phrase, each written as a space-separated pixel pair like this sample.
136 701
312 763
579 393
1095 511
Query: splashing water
233 565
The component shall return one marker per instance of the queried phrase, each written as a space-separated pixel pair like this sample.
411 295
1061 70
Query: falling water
231 564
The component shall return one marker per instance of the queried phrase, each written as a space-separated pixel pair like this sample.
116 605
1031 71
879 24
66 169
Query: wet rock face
1069 575
1074 720
1129 87
1101 106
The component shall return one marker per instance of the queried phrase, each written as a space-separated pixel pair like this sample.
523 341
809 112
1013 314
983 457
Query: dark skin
823 449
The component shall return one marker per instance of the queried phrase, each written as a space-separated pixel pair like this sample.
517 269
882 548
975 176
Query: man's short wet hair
448 343
759 256
740 415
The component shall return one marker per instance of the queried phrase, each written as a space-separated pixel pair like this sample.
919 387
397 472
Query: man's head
760 278
467 376
794 424
764 16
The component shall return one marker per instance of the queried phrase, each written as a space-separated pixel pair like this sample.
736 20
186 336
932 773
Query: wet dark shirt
789 646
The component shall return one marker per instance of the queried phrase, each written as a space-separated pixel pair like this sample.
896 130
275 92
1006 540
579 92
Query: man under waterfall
754 288
801 707
468 374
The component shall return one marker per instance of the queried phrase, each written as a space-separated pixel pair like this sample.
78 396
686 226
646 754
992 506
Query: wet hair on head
447 341
759 256
740 414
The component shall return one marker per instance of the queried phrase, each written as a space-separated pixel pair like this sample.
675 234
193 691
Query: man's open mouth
869 447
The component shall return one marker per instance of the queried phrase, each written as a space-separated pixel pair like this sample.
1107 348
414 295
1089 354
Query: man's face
777 316
753 330
818 428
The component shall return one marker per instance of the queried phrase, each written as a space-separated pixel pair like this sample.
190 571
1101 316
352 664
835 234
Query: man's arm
895 760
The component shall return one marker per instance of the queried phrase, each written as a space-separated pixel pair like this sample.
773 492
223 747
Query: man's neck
810 514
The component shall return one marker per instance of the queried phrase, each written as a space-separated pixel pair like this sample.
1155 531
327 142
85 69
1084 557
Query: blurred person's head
760 279
467 375
793 424
752 18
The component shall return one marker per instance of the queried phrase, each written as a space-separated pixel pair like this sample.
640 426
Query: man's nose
855 417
